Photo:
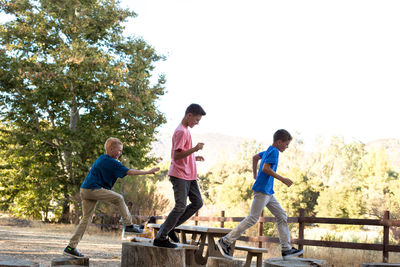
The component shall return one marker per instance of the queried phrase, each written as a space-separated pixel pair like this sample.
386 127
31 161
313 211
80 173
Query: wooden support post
385 254
222 215
195 221
301 228
261 229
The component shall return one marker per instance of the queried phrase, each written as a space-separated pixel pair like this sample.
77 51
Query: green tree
378 183
296 164
68 80
228 183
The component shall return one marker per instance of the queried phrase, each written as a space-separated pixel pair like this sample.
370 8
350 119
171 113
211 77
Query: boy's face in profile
115 152
282 145
193 119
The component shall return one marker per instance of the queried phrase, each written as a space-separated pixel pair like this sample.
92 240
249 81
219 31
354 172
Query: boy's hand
154 170
287 181
199 158
199 146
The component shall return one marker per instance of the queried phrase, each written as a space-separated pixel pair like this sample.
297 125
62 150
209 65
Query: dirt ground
39 242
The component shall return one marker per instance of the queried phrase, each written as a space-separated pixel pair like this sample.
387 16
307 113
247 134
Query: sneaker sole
293 255
175 241
221 250
160 246
73 256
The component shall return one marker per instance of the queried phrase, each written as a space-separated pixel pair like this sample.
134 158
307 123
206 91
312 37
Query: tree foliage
69 79
336 179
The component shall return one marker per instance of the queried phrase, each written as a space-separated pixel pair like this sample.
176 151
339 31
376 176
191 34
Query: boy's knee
198 204
120 198
179 208
253 220
282 218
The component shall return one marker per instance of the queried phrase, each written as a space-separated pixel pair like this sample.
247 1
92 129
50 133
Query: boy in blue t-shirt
264 197
97 186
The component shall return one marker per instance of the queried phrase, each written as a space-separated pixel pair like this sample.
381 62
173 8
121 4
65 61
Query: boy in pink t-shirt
183 176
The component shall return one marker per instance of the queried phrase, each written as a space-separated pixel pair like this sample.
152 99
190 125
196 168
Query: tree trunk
65 212
73 126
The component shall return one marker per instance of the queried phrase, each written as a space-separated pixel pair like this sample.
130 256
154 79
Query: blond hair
112 142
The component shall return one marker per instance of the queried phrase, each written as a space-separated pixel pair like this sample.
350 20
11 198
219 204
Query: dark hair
282 135
195 109
152 219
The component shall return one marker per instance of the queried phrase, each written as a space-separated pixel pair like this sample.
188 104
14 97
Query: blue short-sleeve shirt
265 183
104 173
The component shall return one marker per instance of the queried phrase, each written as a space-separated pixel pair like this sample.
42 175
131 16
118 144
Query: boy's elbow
266 169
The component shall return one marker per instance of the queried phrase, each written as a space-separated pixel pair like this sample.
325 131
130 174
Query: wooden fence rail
386 223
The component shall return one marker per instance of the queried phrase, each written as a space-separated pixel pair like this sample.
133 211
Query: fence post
260 229
222 215
385 254
195 220
301 228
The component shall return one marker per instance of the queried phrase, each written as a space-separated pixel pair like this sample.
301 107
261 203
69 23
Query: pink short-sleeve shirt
184 168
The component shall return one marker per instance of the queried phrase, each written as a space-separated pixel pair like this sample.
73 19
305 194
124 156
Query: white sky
315 68
318 68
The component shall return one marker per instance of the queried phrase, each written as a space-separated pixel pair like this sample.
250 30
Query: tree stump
378 264
18 263
219 262
295 262
145 254
70 261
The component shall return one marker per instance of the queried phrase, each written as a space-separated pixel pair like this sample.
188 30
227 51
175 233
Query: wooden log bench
189 249
143 254
378 264
18 263
210 234
65 261
252 251
294 262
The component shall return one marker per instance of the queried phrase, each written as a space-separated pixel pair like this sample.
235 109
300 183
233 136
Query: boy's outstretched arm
139 172
256 158
267 169
180 154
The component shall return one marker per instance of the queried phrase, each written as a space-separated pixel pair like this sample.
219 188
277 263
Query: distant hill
219 146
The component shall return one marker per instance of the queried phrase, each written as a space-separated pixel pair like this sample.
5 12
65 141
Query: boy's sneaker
224 248
133 230
173 236
72 252
286 254
163 243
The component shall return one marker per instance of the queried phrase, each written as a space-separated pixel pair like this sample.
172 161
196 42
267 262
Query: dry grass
39 242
